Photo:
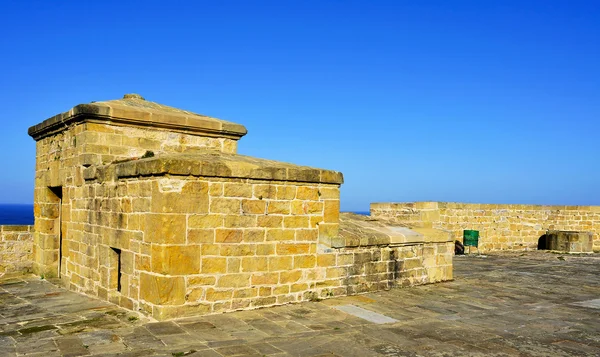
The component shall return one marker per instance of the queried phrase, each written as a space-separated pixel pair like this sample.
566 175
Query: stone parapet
214 164
501 227
16 249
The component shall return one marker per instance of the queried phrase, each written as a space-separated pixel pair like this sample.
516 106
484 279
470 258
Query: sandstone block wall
16 249
61 159
207 245
194 228
501 227
177 246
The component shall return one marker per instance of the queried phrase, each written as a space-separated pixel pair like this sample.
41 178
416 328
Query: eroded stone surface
518 304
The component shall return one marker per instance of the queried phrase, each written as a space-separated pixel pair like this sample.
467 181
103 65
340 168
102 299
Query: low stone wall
501 227
16 246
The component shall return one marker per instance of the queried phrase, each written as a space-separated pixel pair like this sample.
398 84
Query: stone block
201 280
218 294
225 205
328 193
205 221
176 259
278 207
237 190
253 264
307 193
281 235
296 222
197 236
162 313
229 235
286 192
239 221
212 265
234 265
245 293
292 248
291 276
254 235
236 250
265 278
326 260
270 221
265 249
162 290
254 206
306 235
265 192
264 301
215 189
165 228
331 213
233 281
279 263
304 261
210 249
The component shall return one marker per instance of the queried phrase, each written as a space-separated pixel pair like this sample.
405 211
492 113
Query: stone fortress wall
150 207
501 226
16 249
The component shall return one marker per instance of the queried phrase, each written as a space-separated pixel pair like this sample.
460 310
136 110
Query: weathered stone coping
213 164
459 205
361 231
16 228
134 110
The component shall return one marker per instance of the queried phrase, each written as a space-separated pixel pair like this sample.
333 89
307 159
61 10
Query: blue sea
16 214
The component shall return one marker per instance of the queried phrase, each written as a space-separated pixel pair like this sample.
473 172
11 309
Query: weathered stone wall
501 227
190 246
188 240
16 249
198 229
61 159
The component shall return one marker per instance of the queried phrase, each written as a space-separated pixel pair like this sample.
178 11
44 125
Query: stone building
150 207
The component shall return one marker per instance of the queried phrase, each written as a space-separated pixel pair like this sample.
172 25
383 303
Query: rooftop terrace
509 304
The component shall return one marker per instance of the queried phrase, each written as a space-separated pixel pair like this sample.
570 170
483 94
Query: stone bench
569 241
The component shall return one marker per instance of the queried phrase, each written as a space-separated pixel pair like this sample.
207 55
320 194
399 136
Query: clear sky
472 101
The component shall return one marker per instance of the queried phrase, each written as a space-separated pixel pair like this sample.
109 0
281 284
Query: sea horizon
16 214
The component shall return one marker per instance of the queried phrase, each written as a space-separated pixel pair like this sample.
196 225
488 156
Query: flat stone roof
510 304
213 164
134 110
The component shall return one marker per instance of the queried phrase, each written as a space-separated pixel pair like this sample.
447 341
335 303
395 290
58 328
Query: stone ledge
363 231
135 111
213 164
16 228
432 205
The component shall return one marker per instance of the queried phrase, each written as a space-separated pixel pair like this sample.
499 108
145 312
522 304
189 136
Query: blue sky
473 101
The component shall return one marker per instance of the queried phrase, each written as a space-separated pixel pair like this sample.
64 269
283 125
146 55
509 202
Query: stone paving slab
365 314
510 304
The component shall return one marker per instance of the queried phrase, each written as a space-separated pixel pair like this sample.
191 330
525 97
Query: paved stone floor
534 304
